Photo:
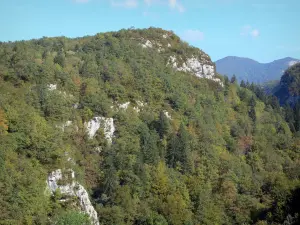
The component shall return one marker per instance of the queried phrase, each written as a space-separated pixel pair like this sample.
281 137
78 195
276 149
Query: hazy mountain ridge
253 71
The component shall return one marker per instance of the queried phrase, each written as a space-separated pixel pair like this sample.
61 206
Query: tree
57 105
164 124
173 154
252 87
149 139
226 80
243 84
247 84
3 122
297 116
274 102
110 175
252 112
74 218
60 59
184 139
290 117
233 79
179 150
225 157
89 68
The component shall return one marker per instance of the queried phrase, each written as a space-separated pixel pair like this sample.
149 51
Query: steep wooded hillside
288 90
136 127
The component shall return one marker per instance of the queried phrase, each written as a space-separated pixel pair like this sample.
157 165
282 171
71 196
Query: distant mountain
253 71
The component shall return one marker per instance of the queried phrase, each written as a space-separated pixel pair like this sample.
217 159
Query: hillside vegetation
287 91
184 149
290 82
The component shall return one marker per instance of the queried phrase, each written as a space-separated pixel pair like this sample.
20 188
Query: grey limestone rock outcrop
101 122
71 188
195 66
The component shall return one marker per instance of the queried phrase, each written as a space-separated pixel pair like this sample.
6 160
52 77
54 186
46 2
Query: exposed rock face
56 176
148 44
194 66
65 125
72 188
139 106
160 47
86 204
101 122
172 61
76 105
52 87
124 106
167 115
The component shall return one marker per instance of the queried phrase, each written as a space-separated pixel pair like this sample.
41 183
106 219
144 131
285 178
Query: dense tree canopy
220 155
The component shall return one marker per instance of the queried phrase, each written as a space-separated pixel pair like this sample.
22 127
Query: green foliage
72 217
291 79
192 153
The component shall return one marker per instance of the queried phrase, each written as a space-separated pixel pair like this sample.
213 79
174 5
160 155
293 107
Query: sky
264 30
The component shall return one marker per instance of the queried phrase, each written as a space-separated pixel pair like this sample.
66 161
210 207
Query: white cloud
249 31
255 33
125 3
192 35
174 4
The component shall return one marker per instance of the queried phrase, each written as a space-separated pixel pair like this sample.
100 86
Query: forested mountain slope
126 127
288 90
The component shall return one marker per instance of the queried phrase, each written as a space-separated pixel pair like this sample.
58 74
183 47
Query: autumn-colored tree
3 122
